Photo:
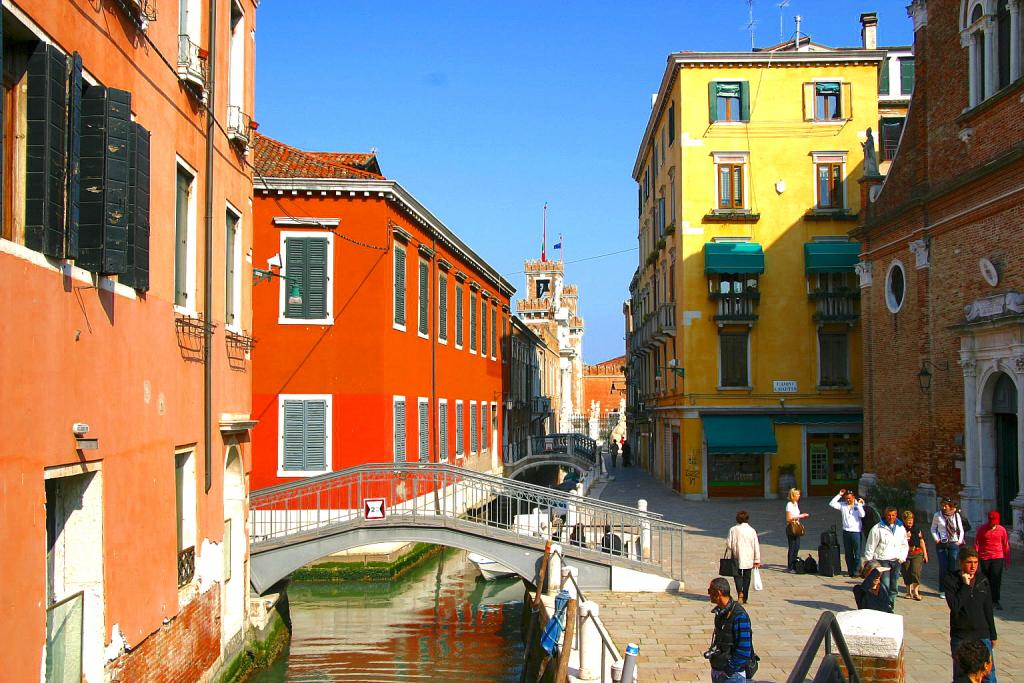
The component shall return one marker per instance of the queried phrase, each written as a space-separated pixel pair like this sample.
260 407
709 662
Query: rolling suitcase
828 560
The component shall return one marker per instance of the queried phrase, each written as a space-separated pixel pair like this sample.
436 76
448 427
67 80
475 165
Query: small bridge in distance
577 451
614 547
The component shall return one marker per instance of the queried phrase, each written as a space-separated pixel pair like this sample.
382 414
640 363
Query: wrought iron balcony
193 64
239 126
736 307
835 306
141 12
186 565
541 405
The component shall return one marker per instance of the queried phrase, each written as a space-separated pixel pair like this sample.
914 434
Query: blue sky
484 111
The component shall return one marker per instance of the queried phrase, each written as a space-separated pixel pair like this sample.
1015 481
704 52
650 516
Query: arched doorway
1004 415
235 541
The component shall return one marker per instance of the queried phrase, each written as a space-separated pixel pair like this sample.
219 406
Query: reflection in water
439 623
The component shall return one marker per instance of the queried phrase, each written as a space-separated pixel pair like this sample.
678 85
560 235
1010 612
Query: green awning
727 89
733 257
817 418
826 88
739 434
831 257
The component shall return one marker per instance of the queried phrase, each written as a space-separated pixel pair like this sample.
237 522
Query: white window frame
328 428
394 287
741 158
894 306
191 267
395 400
236 249
833 157
443 439
282 290
442 285
474 433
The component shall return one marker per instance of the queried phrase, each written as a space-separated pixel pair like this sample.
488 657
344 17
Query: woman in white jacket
742 546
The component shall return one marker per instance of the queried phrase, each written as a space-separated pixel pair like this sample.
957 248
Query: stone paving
673 630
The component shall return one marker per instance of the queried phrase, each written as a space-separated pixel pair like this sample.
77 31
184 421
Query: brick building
942 269
604 386
378 326
125 381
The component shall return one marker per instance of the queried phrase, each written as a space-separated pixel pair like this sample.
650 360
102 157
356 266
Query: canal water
440 622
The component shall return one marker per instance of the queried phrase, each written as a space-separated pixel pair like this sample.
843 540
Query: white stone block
872 634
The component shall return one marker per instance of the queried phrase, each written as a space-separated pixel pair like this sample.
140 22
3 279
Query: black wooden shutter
103 216
74 152
45 172
137 272
314 293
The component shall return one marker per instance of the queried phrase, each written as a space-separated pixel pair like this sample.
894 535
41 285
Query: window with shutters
15 137
423 319
460 433
890 131
399 266
423 428
442 308
400 429
443 443
833 359
733 360
459 323
304 434
232 268
485 426
731 186
827 101
829 185
185 239
483 328
729 101
906 75
306 295
472 322
494 332
474 432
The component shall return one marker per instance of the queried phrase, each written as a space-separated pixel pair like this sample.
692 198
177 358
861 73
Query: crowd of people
879 550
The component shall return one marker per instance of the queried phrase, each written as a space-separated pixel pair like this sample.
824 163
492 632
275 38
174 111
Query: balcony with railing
835 306
193 64
239 126
541 405
665 326
141 12
736 307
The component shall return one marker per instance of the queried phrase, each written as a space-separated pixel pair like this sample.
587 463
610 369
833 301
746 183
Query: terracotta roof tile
274 159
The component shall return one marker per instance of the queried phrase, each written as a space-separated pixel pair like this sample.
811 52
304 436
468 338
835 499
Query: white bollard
629 663
645 533
554 570
570 586
590 642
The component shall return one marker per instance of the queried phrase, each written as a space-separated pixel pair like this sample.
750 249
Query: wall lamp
295 287
679 372
924 378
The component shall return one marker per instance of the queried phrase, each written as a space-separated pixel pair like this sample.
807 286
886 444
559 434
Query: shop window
834 461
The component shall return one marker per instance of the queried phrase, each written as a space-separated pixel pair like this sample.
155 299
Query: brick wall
182 650
881 669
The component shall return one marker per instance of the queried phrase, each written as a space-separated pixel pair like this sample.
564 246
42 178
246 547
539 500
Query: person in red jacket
993 546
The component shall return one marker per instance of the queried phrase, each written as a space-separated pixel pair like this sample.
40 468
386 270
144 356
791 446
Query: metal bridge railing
825 630
572 444
454 497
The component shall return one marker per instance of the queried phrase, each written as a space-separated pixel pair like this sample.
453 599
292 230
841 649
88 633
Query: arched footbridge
614 547
577 451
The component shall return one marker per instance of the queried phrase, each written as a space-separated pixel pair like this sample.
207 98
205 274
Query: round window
895 287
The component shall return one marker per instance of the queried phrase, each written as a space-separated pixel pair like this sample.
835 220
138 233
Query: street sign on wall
784 386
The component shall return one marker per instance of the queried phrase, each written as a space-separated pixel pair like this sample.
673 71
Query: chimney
869 30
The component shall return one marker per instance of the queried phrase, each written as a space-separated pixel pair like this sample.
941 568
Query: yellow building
745 342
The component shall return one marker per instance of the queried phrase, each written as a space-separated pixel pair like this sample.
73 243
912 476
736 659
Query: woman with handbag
794 528
742 548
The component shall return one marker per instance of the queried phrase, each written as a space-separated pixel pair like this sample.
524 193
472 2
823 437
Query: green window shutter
399 295
744 101
74 154
442 306
293 436
883 78
485 423
400 431
295 272
45 167
460 433
474 432
316 436
315 279
712 101
472 321
424 301
906 76
103 207
458 315
137 273
424 431
442 432
494 332
483 328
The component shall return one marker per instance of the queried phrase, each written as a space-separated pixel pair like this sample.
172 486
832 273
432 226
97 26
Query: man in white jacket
887 544
852 510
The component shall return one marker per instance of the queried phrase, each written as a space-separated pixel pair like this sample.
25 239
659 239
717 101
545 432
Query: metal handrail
825 630
607 644
451 496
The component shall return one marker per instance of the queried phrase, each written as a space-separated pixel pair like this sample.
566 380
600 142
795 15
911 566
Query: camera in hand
711 652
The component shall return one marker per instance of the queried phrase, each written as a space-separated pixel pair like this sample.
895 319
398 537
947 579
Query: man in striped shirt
732 646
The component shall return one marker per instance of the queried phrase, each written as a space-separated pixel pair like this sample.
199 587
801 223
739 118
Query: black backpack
810 565
830 537
798 566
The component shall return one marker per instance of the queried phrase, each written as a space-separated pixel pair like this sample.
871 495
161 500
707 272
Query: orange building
125 382
379 329
604 384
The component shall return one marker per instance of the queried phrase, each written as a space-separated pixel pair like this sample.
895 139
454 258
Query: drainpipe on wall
208 251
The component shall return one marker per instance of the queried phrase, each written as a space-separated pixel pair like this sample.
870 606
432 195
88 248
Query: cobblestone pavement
673 629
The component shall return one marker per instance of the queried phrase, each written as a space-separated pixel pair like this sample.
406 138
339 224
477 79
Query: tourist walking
794 528
851 509
975 661
887 543
732 646
948 534
613 450
873 593
742 546
993 546
627 453
917 556
969 597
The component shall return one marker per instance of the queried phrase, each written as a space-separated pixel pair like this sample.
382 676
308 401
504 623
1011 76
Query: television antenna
750 21
782 31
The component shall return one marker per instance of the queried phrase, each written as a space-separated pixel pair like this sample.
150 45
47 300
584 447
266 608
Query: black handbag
727 564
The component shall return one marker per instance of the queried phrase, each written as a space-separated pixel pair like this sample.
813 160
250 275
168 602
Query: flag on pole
544 239
558 245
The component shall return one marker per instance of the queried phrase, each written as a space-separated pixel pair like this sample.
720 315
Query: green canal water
441 622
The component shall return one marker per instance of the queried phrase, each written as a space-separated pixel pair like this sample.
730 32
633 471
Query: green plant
651 258
660 245
670 229
899 495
